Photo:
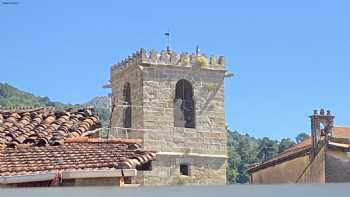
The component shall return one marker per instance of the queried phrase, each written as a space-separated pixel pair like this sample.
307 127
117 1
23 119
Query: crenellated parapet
171 58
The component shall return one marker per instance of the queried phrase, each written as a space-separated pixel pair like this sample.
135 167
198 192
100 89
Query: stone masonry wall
119 78
203 170
208 136
153 78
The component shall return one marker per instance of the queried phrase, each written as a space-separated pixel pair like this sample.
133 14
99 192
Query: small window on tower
184 170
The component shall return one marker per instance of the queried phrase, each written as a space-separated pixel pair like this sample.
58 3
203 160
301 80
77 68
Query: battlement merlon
171 58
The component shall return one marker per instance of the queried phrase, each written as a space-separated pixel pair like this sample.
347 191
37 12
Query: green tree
233 161
267 148
301 137
285 144
242 151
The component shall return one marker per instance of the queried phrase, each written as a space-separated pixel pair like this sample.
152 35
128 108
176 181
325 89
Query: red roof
73 155
341 132
41 126
40 140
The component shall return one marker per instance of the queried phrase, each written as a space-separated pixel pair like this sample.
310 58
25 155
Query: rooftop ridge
169 57
46 108
101 140
25 108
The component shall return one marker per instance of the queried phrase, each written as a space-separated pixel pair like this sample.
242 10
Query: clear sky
289 57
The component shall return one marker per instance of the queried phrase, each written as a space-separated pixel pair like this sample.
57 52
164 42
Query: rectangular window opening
184 170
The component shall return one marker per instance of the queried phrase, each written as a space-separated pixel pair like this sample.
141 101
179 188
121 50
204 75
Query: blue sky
289 57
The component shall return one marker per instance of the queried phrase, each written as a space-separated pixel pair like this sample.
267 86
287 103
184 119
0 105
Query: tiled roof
299 149
80 154
341 132
41 126
305 143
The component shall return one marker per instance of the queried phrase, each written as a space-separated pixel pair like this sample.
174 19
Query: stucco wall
315 171
286 172
337 166
97 182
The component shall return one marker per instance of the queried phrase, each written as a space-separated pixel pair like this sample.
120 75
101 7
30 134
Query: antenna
167 34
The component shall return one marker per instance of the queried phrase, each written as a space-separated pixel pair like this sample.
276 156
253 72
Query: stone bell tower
175 104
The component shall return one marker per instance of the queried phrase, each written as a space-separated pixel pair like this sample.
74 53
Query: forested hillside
12 97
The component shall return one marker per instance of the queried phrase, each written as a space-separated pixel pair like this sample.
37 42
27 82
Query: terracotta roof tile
72 156
41 126
26 135
341 132
305 143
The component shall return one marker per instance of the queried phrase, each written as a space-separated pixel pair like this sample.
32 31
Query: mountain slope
102 106
13 97
100 102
